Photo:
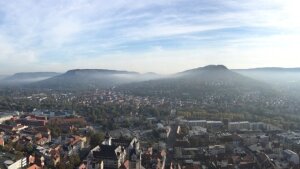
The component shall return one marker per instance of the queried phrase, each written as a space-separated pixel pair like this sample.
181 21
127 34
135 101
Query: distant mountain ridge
97 71
206 73
275 69
218 75
272 75
88 78
209 87
198 81
24 78
206 68
30 75
285 80
213 88
3 76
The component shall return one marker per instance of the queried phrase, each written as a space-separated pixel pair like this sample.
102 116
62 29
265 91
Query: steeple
107 139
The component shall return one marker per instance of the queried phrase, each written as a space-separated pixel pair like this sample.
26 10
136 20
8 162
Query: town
149 84
137 132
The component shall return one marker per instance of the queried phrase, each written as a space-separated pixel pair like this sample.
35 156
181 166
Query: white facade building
240 125
4 118
291 156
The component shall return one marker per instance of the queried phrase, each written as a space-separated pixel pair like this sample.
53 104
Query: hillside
2 76
87 78
285 80
212 80
214 87
27 77
272 75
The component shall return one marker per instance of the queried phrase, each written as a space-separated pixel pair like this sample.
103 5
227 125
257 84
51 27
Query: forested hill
216 87
212 80
87 78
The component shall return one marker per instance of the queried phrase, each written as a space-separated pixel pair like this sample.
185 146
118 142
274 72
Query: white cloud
11 55
32 33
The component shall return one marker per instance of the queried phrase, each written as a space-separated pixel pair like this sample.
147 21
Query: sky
163 36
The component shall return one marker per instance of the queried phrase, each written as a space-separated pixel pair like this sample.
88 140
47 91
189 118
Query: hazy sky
163 36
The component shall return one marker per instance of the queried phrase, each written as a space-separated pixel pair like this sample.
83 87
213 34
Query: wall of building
18 164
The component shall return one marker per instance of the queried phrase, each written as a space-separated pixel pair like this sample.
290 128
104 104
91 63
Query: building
201 123
153 158
16 165
197 131
240 125
82 166
1 141
216 150
75 144
32 120
214 124
291 156
106 157
34 166
115 153
51 114
258 126
4 118
67 121
12 128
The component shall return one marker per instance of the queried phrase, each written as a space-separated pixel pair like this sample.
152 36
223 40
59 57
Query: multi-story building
216 150
201 123
214 124
291 156
240 125
114 153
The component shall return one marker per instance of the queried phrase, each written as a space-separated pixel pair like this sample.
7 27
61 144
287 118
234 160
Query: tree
74 160
29 148
96 139
19 147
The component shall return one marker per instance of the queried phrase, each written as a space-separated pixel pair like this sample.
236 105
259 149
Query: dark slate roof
106 152
120 142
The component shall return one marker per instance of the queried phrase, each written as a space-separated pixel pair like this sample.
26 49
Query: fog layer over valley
210 87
